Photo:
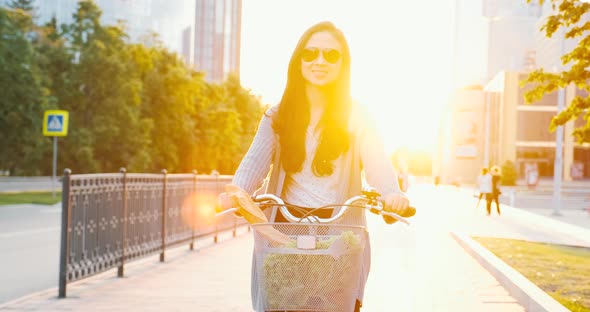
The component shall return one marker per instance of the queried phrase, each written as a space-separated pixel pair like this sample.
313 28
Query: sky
401 57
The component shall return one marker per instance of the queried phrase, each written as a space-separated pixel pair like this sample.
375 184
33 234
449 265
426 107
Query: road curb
529 295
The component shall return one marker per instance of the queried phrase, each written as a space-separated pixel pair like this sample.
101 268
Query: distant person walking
496 177
485 188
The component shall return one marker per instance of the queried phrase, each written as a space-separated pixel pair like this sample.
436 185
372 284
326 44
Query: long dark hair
292 118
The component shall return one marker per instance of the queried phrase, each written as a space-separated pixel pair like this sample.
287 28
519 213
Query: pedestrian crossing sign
55 123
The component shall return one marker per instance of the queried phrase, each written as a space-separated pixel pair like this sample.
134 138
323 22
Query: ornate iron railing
113 218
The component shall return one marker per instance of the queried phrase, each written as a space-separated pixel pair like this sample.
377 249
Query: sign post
55 123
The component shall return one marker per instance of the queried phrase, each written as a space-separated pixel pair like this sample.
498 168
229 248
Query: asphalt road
29 245
28 184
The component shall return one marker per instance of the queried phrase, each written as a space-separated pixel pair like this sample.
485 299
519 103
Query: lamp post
486 155
558 163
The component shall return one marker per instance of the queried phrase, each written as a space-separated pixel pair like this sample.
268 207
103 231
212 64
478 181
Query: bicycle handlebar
369 201
373 205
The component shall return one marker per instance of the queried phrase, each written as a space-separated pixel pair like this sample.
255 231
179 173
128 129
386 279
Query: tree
25 5
509 174
53 62
131 105
218 130
24 10
249 110
107 130
168 99
568 14
21 103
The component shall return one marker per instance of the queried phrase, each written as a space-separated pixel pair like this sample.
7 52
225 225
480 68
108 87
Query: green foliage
509 174
22 101
23 13
567 15
131 105
25 5
169 94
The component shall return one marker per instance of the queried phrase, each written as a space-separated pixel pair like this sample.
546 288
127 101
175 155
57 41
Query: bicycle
313 263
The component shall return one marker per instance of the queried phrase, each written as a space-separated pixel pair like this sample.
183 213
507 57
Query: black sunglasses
330 55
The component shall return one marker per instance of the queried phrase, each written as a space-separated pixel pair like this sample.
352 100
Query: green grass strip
563 272
43 198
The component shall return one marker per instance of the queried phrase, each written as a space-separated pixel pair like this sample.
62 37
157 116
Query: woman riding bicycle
313 147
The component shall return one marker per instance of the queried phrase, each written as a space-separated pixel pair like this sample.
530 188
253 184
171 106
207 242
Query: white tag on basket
337 249
306 242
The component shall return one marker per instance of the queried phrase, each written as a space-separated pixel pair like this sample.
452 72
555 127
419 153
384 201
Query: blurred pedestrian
485 188
496 177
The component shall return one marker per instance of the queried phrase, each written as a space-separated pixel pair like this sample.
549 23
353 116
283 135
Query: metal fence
112 218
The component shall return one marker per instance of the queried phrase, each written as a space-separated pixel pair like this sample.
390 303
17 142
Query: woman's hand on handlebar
396 203
225 202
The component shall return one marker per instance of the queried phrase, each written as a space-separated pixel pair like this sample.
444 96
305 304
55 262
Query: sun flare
198 209
401 59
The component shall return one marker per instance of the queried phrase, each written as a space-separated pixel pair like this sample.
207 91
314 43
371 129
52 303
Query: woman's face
321 59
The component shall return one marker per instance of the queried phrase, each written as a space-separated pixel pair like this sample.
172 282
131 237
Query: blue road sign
55 123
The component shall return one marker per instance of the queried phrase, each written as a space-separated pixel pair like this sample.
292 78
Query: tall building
469 44
462 141
503 8
494 124
510 35
491 36
170 20
217 37
525 137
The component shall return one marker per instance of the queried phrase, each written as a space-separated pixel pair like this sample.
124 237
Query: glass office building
510 35
217 37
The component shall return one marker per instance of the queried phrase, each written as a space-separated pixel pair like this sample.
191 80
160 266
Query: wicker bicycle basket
319 269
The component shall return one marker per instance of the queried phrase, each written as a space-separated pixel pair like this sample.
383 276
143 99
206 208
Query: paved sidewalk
414 268
530 223
577 217
217 278
574 209
210 278
429 271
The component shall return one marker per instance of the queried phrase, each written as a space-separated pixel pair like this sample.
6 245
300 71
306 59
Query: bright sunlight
401 58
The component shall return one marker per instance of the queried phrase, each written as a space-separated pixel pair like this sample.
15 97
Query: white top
485 183
254 171
304 188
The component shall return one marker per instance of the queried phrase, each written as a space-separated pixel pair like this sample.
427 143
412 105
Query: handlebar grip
409 212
